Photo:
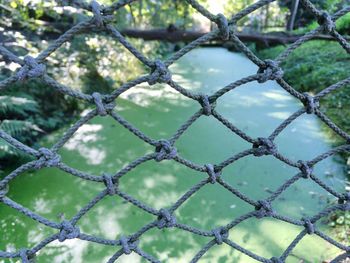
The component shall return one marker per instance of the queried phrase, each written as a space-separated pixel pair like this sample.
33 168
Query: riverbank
312 67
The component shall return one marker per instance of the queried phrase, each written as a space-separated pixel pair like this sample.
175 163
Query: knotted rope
165 149
31 69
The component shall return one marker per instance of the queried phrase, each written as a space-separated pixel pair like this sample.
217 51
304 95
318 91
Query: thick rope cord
165 148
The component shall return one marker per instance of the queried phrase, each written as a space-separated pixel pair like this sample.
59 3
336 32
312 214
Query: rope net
164 149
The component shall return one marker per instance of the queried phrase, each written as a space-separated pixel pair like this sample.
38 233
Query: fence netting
102 20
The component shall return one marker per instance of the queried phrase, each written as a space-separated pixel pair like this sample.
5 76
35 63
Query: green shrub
343 24
340 221
28 111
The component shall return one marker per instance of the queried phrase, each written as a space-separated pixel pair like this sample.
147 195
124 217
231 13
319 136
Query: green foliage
343 24
159 13
340 221
305 19
313 67
20 129
12 109
24 13
28 111
18 106
90 62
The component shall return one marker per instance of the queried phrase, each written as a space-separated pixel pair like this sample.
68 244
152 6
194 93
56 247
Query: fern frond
20 129
8 151
20 106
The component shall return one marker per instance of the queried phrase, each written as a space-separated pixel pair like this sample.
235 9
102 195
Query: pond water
102 145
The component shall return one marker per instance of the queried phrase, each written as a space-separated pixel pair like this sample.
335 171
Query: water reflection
103 145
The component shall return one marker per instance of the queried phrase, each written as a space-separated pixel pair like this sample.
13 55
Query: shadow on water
102 145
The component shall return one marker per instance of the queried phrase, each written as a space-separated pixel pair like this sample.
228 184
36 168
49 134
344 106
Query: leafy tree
304 17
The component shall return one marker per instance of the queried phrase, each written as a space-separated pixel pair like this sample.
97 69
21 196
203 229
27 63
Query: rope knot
96 9
264 209
270 71
165 150
309 226
47 158
220 235
207 107
223 26
31 69
310 103
109 183
326 21
3 191
276 260
213 176
160 73
305 169
68 231
102 108
264 146
25 255
127 245
166 219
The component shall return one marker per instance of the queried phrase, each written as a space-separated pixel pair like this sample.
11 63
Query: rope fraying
211 172
264 146
223 26
31 69
220 235
310 103
127 245
305 169
47 158
68 231
109 183
309 226
327 22
96 9
166 219
165 150
160 73
263 209
271 71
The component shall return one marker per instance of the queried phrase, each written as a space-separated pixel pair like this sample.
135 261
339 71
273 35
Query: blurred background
37 115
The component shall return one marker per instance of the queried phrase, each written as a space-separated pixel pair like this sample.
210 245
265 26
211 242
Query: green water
103 145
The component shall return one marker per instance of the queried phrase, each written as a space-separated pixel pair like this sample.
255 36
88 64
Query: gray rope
165 149
96 10
270 71
160 73
31 69
223 26
68 231
47 159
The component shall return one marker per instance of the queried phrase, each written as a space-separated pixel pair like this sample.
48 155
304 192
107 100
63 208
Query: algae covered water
103 145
